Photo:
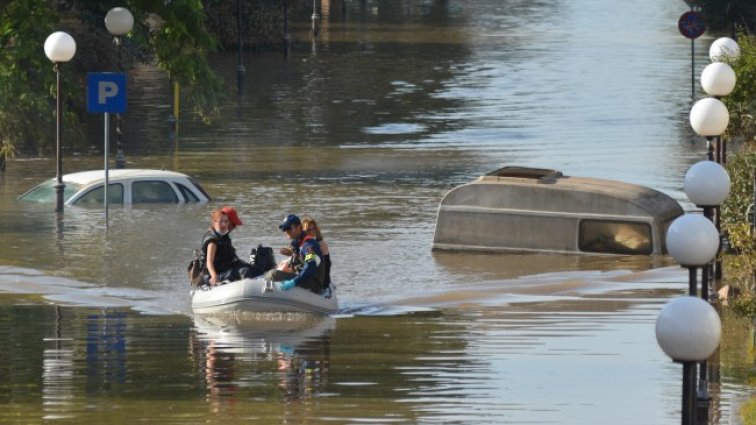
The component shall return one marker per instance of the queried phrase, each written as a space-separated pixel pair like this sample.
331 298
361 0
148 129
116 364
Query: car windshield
45 192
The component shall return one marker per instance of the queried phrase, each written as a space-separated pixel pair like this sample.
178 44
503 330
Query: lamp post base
703 400
688 393
59 186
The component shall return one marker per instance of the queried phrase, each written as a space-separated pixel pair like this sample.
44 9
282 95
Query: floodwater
365 129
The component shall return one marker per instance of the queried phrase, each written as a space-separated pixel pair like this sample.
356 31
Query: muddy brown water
366 129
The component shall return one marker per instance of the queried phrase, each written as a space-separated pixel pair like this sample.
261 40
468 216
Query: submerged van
520 209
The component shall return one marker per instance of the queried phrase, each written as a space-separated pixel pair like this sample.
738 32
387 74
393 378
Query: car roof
88 177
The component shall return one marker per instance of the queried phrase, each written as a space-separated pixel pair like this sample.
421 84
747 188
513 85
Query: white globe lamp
709 117
688 329
724 49
692 240
119 21
707 184
60 47
718 79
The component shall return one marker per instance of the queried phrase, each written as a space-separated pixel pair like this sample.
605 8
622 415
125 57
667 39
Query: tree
729 16
171 34
741 131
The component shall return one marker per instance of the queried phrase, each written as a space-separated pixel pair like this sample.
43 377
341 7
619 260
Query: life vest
225 254
304 258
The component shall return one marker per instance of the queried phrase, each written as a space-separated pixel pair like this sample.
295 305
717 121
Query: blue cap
289 221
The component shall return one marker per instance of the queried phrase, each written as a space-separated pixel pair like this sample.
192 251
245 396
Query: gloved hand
286 349
287 285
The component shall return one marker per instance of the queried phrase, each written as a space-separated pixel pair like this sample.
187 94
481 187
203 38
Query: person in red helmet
218 255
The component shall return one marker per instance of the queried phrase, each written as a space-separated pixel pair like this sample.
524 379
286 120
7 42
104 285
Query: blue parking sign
106 92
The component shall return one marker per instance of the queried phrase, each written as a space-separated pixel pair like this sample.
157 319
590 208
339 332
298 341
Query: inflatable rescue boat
259 295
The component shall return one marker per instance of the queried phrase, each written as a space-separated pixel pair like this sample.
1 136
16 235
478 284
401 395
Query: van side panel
513 230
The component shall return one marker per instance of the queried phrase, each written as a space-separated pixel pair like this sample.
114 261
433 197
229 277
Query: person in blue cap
307 259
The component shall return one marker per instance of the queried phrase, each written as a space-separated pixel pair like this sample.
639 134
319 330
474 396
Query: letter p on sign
106 92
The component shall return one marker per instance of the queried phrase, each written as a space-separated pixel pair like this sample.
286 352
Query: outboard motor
263 256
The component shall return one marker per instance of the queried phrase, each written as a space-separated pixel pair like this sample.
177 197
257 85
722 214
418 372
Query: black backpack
194 269
263 256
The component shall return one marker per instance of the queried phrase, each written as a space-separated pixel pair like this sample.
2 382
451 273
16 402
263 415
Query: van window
96 195
615 237
151 192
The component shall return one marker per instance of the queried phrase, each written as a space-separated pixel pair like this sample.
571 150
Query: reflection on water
366 128
487 364
57 373
230 349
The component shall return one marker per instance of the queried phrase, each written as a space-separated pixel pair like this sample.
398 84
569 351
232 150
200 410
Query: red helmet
233 217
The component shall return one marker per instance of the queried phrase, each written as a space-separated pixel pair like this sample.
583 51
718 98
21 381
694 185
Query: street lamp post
709 117
693 241
718 80
688 330
287 37
721 79
240 70
707 185
315 18
119 21
60 47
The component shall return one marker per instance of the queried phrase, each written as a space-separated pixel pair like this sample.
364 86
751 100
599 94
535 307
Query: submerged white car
130 186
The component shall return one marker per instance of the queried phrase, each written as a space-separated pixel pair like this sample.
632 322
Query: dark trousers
239 271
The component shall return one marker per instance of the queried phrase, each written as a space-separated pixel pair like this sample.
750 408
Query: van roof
550 190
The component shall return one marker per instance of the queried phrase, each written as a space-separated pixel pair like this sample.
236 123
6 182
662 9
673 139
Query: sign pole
106 93
107 155
692 68
691 25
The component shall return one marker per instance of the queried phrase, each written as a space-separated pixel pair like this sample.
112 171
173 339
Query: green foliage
735 209
729 15
741 103
180 41
26 76
748 412
170 33
738 208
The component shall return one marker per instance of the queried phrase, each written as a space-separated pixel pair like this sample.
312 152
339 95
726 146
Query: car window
189 196
97 195
616 237
199 187
151 192
45 192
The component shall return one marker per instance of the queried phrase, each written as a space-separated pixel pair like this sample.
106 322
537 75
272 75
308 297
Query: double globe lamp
709 116
688 328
